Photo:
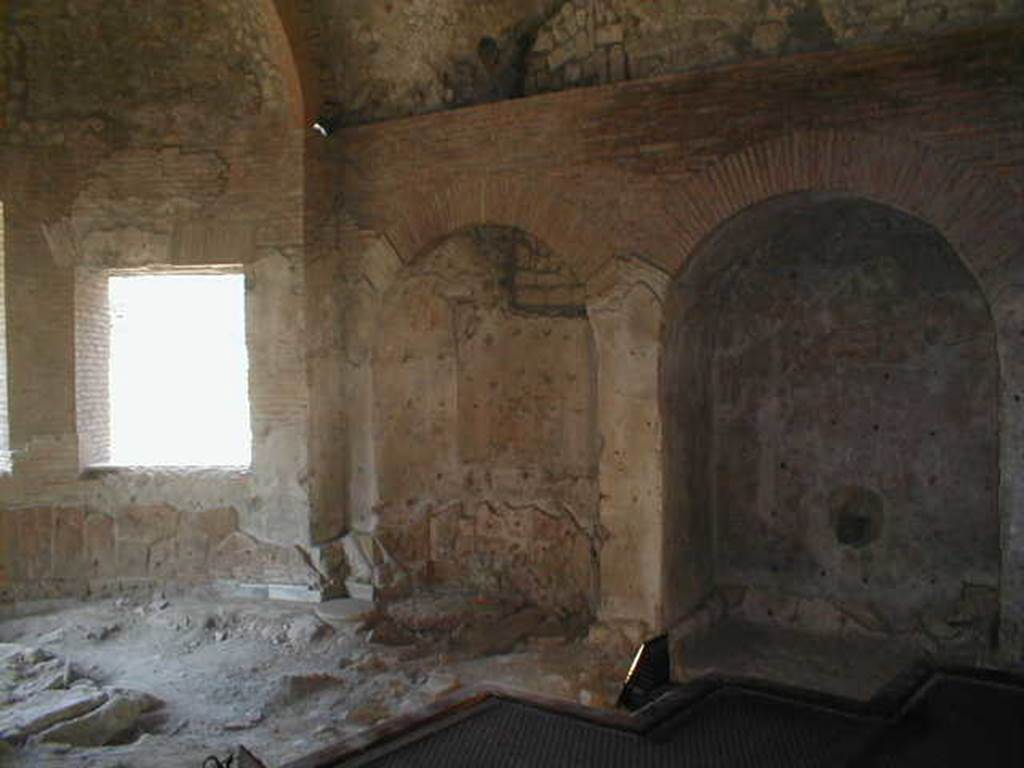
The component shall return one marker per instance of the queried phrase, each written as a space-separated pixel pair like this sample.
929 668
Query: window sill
99 471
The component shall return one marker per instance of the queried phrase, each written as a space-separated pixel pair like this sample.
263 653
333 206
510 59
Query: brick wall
5 429
640 173
92 367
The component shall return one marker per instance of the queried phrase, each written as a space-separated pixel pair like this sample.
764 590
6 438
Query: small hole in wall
856 516
1016 398
489 52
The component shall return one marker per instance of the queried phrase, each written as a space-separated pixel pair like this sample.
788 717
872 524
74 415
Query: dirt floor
276 678
284 682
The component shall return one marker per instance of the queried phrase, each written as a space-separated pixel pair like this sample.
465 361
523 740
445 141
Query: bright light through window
179 371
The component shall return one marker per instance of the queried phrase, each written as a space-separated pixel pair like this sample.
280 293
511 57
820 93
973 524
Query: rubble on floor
44 699
283 679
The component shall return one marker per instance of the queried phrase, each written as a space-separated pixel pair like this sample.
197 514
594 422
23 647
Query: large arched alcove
829 388
484 421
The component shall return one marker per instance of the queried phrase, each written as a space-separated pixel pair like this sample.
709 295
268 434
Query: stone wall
851 383
592 42
471 419
379 61
96 551
625 183
126 146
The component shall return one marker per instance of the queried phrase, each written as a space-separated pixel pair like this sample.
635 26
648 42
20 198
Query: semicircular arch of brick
419 223
976 213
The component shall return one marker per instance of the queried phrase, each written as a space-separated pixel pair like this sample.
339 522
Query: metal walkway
930 719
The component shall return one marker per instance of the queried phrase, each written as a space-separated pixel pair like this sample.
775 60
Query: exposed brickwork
58 551
644 172
640 151
850 374
5 428
139 153
92 367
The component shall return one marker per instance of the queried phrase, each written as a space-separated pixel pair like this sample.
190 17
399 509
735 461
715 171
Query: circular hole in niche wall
489 52
856 515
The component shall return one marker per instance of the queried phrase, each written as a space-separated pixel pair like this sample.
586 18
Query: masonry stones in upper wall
590 42
137 72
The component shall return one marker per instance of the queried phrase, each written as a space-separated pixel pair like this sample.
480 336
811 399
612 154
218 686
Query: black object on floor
648 675
932 719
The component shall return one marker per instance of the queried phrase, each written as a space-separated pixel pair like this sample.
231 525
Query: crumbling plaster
656 180
843 445
141 152
623 183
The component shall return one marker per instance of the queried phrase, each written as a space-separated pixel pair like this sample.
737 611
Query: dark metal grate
952 719
729 729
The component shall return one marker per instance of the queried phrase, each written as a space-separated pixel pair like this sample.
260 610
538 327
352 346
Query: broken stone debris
40 702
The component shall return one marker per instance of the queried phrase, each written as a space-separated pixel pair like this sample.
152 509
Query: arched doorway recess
829 392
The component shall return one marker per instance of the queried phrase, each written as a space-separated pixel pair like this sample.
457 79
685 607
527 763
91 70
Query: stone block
48 709
100 552
609 35
293 593
545 42
360 590
132 559
584 45
569 20
409 544
147 524
769 38
34 534
243 558
443 533
103 724
217 524
7 548
617 70
68 543
162 560
193 548
465 536
561 55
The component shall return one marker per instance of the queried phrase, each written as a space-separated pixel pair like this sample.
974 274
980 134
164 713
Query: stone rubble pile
43 699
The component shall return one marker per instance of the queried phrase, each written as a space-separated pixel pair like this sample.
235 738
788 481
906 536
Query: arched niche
484 428
829 392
